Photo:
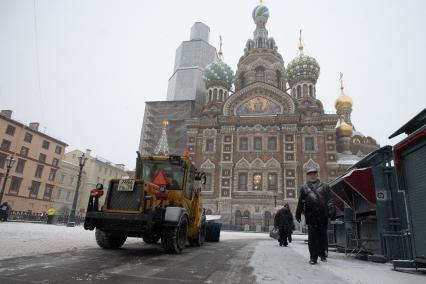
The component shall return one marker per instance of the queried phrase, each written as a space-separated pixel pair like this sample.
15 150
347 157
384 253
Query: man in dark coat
4 211
284 222
316 204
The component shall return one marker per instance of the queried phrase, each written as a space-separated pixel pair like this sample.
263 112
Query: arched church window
305 90
311 91
299 91
220 95
260 74
215 95
279 78
210 96
242 80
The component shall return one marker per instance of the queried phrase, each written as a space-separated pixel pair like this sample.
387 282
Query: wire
38 61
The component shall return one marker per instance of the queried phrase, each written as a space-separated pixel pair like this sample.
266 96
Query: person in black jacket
316 204
4 211
284 222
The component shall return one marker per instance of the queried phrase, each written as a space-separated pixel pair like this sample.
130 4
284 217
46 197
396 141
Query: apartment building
97 170
33 179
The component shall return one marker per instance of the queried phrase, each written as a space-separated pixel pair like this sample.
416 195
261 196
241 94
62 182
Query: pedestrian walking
316 204
50 215
284 222
4 211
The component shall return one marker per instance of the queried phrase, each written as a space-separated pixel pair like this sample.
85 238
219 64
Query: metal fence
31 217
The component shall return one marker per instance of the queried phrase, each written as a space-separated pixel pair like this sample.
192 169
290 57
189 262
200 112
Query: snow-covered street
255 259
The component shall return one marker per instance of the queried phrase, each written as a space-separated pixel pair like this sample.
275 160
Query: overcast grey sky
100 60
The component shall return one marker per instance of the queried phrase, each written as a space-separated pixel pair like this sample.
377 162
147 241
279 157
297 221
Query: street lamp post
71 220
274 193
9 164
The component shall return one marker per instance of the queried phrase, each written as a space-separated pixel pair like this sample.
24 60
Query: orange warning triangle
160 178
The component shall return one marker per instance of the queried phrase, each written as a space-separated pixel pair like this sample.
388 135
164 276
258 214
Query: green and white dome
303 67
219 71
260 11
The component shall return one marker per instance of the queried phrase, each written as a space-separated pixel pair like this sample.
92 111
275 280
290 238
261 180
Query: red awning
356 182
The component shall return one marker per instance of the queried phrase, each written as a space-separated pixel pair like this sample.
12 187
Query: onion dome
303 67
343 129
260 11
343 101
218 71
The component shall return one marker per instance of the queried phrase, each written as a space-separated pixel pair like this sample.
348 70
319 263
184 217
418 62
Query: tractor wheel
151 238
201 236
109 240
174 238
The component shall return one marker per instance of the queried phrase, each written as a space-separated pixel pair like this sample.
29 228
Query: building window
209 145
45 144
15 184
52 174
72 180
309 144
227 138
272 181
208 186
257 181
290 183
55 162
289 147
227 148
290 173
2 160
257 143
28 137
242 181
35 186
260 74
243 144
58 194
20 166
58 150
290 156
226 172
226 157
24 151
272 143
68 195
39 171
10 130
5 145
290 194
289 138
42 158
62 178
48 192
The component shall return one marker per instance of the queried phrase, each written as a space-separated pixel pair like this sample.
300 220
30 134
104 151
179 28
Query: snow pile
274 264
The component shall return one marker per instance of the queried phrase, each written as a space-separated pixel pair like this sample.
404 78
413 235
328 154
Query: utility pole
9 164
81 161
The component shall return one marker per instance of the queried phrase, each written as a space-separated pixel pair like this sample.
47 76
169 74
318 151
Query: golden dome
343 129
343 101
